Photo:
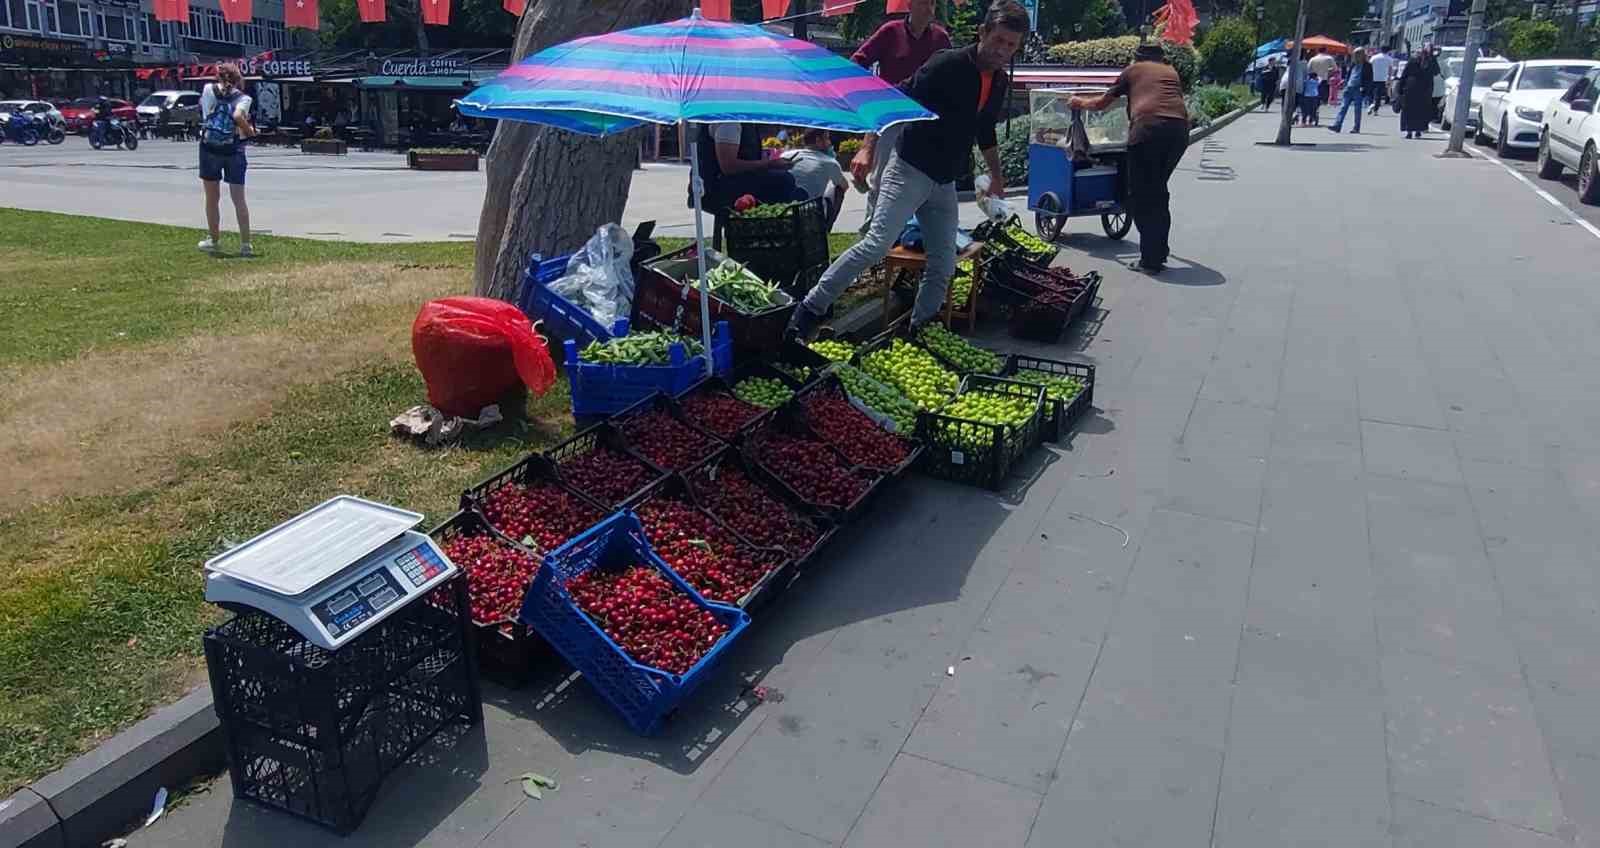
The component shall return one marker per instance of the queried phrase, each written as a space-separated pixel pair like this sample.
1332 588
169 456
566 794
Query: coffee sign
285 68
422 67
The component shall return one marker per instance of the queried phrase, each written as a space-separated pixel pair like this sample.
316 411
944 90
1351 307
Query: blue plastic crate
644 695
609 389
562 318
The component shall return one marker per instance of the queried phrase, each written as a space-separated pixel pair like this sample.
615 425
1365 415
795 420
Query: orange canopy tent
1321 42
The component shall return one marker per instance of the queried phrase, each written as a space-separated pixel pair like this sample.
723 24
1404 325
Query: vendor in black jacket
966 88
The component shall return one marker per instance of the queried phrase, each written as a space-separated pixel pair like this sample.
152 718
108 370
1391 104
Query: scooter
19 128
114 132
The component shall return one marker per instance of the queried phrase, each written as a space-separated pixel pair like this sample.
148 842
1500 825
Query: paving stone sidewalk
1317 570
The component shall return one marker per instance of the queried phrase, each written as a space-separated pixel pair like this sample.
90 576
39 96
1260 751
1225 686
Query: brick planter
441 161
324 146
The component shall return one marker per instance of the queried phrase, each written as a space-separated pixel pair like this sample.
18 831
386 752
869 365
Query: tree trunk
548 189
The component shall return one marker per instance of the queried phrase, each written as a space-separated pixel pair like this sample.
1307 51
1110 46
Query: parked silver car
172 106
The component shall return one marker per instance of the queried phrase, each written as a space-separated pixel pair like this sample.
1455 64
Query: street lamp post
1469 65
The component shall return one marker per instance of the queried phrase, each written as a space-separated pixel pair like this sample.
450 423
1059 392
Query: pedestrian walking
1416 95
1269 83
1381 64
1335 85
967 89
898 48
1158 133
225 126
1354 92
1438 84
1310 99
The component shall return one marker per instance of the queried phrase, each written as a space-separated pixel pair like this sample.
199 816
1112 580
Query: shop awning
426 83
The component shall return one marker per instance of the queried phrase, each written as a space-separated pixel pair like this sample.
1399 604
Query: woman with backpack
225 123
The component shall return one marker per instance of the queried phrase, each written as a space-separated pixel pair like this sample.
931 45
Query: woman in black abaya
1416 94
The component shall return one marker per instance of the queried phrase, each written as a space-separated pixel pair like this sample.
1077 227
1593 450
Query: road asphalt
1318 569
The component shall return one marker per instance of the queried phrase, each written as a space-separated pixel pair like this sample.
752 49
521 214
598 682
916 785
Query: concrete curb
102 793
1197 134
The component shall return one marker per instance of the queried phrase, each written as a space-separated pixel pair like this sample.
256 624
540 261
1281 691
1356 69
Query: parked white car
32 107
1486 73
1570 137
1513 109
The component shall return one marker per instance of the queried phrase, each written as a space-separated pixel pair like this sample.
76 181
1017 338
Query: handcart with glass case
1060 188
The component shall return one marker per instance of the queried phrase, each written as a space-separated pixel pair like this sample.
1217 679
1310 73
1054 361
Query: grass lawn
162 403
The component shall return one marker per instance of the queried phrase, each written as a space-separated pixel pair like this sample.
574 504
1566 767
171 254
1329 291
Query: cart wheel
1116 224
1046 222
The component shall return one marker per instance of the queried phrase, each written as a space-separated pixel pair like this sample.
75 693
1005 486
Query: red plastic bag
472 350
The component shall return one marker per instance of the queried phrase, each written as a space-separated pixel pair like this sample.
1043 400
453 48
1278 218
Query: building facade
73 48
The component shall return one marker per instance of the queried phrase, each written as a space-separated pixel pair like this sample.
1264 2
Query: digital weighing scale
332 572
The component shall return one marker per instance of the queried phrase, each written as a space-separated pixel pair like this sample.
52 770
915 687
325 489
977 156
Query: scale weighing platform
332 572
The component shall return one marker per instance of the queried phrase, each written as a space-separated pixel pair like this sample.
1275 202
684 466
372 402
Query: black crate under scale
782 249
1059 415
976 452
314 732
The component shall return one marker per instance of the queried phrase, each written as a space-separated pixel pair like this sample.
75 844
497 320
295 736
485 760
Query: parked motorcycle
49 130
114 132
20 129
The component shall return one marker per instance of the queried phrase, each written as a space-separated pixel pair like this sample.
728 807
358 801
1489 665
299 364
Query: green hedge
1210 102
1118 53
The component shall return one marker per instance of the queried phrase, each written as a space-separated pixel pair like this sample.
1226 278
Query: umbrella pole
696 189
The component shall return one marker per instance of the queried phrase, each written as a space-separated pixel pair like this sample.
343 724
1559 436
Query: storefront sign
421 67
279 68
28 42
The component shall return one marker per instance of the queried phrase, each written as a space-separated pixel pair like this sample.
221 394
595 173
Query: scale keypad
420 564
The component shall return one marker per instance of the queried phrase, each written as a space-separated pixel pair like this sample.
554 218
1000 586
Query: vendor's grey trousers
904 191
887 142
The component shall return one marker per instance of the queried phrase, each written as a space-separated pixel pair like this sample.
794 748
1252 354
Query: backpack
217 133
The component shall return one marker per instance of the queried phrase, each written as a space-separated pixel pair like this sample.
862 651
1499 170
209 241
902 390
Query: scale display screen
347 608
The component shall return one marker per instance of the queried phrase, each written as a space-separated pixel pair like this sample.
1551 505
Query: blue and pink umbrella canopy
693 70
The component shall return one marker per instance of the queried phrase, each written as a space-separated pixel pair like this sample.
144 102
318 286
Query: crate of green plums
980 435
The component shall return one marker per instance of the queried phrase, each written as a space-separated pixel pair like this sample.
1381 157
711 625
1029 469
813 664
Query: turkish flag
897 7
515 7
372 11
436 12
236 11
716 10
172 10
301 14
771 9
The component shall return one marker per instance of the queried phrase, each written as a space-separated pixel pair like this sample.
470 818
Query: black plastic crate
625 421
976 452
508 653
602 435
998 233
830 384
533 469
314 732
664 298
1000 356
783 248
781 563
801 520
719 386
1034 320
1059 415
787 423
885 340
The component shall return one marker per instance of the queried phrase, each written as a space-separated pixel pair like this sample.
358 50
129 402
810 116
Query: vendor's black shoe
802 325
1142 268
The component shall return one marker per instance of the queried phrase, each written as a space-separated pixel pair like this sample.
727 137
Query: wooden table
903 262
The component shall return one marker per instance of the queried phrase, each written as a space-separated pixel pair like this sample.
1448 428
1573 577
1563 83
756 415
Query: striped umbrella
691 70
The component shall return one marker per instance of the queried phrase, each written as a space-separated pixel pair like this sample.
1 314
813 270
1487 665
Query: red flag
896 7
236 11
172 10
436 12
515 7
830 8
773 9
716 10
1181 21
372 11
301 14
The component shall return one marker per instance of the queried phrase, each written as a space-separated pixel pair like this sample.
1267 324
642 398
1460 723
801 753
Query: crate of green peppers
980 435
609 377
1068 389
668 295
1011 237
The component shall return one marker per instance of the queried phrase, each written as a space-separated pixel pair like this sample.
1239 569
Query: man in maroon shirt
899 48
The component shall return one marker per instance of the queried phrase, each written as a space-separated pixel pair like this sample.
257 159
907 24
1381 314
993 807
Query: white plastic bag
993 208
599 278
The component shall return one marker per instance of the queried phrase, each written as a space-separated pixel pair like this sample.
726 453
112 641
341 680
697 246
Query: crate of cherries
497 572
790 454
641 636
598 464
717 561
767 514
827 410
657 430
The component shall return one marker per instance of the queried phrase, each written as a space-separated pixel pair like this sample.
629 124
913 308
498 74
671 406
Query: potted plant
324 142
846 151
442 159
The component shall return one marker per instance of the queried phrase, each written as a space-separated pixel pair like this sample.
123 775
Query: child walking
1310 99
